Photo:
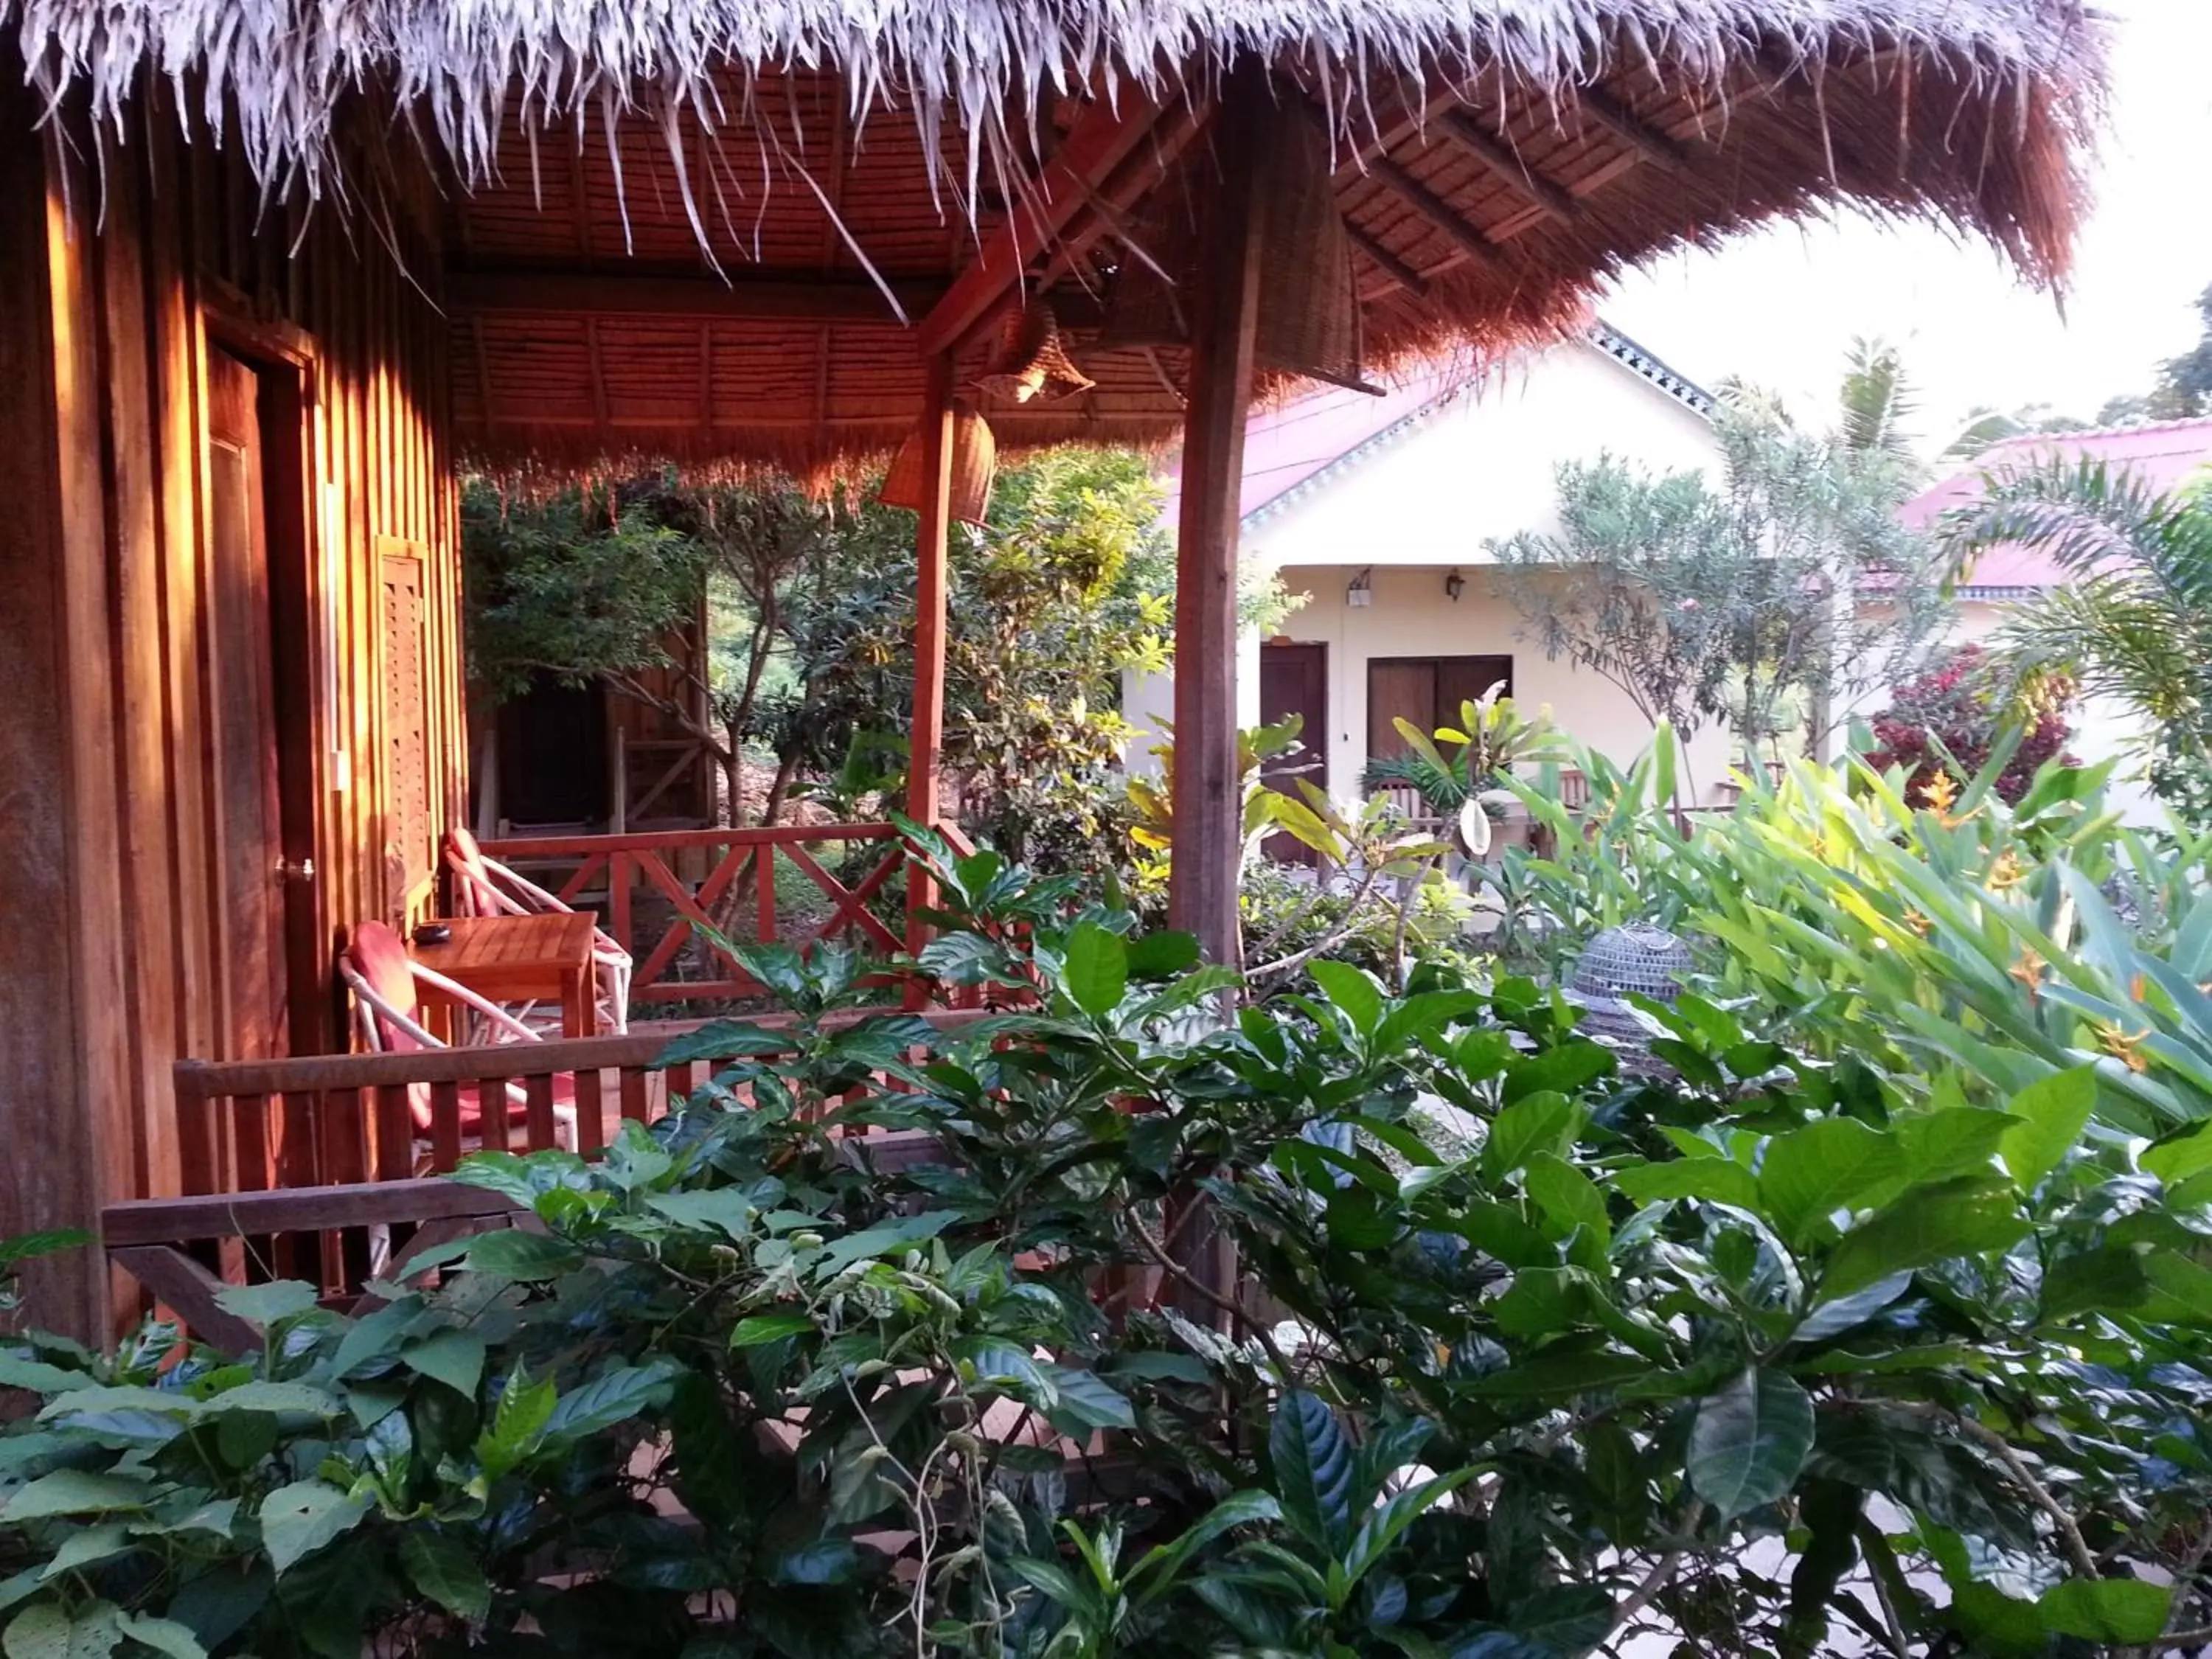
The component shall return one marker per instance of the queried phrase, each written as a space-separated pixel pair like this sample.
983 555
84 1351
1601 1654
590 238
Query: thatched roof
1499 158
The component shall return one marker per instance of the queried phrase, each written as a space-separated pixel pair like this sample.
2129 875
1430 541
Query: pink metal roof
2163 455
1286 445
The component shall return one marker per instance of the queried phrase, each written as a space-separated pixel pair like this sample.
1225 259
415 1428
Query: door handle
295 869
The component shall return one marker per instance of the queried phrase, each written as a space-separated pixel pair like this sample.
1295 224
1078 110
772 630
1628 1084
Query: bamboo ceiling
626 278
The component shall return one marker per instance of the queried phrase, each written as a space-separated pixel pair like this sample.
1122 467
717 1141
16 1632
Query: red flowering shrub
1963 701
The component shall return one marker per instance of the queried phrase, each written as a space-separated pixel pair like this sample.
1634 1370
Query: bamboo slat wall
112 632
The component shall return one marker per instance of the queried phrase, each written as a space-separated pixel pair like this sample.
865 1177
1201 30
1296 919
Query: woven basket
1310 320
975 463
1031 364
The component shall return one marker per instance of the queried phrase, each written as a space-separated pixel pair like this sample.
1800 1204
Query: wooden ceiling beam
1145 169
1508 168
1601 107
1397 269
1433 208
819 296
1101 140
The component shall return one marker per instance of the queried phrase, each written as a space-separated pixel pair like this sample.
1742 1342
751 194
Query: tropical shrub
1949 720
882 1343
1469 761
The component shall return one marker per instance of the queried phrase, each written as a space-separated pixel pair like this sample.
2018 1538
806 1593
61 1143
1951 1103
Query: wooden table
533 958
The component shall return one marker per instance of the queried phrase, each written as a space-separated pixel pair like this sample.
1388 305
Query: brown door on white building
1294 680
1426 692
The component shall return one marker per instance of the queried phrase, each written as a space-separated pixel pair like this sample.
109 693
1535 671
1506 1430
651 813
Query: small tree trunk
786 768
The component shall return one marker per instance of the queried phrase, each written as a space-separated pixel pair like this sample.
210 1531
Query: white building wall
1417 506
1411 616
1484 466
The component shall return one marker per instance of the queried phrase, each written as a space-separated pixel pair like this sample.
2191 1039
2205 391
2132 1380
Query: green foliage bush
759 1387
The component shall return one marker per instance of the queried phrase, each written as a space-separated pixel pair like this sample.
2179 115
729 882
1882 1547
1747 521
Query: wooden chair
484 887
377 969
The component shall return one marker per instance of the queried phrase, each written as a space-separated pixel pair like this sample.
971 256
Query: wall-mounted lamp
1455 585
1359 592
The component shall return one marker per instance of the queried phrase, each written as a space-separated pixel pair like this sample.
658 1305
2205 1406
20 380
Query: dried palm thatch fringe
270 73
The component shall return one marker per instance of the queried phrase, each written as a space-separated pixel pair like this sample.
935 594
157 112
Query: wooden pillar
927 741
1209 813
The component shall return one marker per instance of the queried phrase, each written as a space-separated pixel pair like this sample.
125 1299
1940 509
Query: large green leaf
508 1253
1969 1216
615 1396
1811 1172
265 1304
1087 1400
2108 1610
1546 1121
1382 1526
1096 967
2052 1113
1353 991
453 1357
76 1491
46 1630
1160 1566
1313 1465
1749 1441
300 1519
1717 1180
1568 1198
445 1569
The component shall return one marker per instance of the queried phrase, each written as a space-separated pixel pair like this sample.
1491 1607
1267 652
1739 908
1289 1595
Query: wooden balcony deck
317 1168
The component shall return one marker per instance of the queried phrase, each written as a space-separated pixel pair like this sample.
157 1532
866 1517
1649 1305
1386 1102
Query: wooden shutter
410 834
1399 689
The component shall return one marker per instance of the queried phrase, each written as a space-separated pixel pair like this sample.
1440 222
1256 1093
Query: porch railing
318 1168
663 896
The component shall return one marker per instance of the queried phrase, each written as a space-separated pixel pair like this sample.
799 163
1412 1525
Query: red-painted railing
318 1166
662 895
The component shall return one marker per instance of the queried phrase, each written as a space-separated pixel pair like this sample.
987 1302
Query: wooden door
241 668
1425 692
1399 689
1294 680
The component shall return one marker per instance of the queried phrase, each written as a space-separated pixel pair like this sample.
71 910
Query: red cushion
374 952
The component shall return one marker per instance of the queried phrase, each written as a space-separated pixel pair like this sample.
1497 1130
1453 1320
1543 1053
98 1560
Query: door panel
249 827
1294 680
1464 679
1398 689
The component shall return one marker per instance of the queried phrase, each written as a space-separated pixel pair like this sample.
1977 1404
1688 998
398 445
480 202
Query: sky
1781 307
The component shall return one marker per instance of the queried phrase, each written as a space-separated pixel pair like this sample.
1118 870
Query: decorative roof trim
1680 387
1609 340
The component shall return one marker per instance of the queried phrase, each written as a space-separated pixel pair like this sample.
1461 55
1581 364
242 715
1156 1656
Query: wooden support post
1209 828
928 731
1208 854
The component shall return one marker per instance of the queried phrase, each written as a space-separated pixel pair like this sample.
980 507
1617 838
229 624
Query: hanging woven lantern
1310 321
975 463
1031 364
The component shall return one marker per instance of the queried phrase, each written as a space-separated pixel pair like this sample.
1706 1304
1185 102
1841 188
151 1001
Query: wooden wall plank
142 748
105 757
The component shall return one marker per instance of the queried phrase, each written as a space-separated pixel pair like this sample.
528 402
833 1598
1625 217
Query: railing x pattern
663 896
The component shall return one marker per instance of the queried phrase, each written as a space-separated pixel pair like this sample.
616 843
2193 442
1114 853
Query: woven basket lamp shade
1031 364
975 463
1309 315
